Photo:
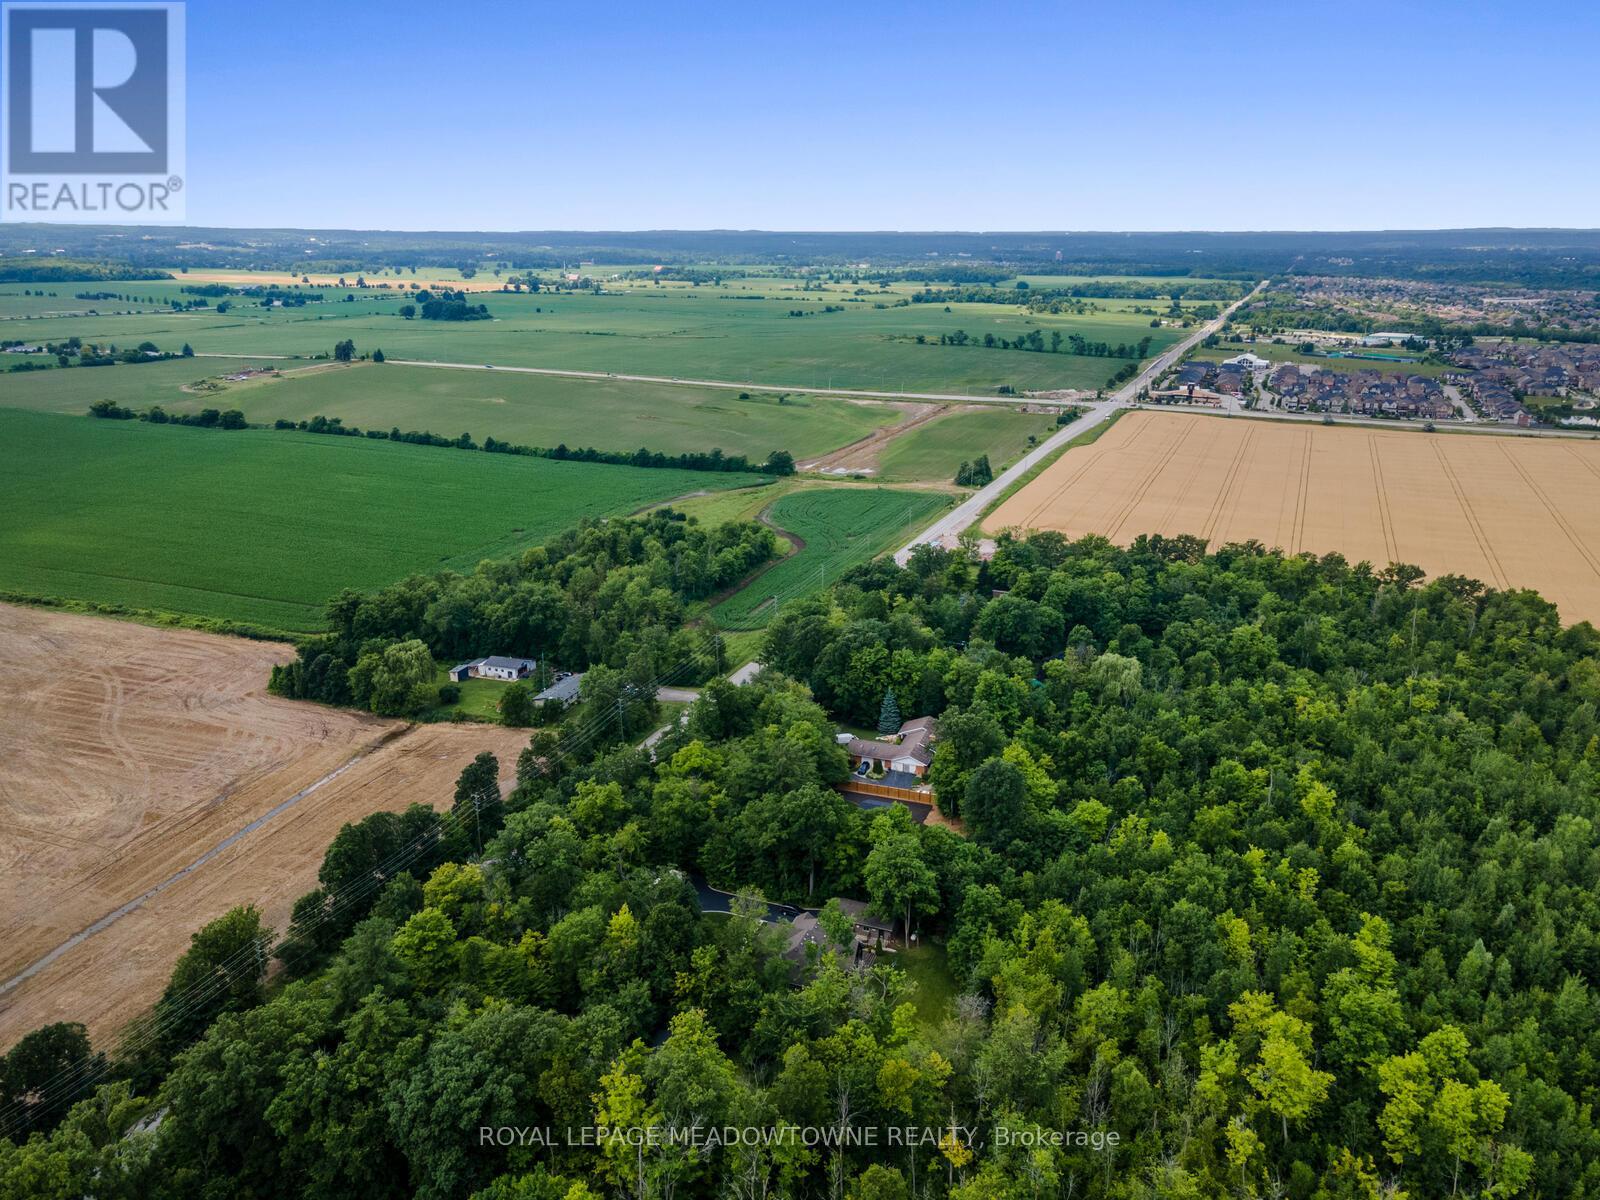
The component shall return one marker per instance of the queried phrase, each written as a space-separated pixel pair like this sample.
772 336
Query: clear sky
874 114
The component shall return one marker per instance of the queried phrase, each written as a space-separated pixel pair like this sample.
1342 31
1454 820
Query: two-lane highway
970 509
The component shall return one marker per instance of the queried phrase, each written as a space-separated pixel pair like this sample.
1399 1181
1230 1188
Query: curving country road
970 509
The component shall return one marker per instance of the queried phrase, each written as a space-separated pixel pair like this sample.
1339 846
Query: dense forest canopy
1271 876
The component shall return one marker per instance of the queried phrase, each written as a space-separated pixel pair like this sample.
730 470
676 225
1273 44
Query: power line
144 1031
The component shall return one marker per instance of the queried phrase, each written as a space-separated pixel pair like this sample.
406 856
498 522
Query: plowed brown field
1512 512
128 754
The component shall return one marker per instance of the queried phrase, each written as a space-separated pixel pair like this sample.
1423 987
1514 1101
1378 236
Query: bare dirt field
862 454
129 754
1512 512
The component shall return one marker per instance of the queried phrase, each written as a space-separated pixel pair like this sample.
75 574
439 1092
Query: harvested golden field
1513 512
148 783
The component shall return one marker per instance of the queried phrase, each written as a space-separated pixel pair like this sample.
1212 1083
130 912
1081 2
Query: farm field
1512 512
130 752
837 528
137 385
934 450
740 331
262 526
542 410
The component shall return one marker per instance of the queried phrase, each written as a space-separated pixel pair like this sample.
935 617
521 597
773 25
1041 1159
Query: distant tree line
62 270
292 297
1095 289
73 352
1034 340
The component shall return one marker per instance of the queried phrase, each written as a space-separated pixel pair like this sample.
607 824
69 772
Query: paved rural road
969 510
715 900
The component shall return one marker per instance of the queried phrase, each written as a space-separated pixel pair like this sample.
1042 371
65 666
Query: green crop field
262 527
544 410
840 528
739 331
935 450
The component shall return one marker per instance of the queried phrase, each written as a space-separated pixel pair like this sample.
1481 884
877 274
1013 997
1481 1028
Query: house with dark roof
804 932
869 927
565 688
805 939
908 754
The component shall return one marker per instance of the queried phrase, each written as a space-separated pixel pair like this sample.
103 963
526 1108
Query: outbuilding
494 667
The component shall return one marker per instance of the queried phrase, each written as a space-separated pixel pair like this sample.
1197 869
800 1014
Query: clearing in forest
833 530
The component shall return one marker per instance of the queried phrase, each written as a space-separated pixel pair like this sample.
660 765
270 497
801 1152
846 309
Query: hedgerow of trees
779 462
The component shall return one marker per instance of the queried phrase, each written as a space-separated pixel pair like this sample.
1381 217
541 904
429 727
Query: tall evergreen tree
889 714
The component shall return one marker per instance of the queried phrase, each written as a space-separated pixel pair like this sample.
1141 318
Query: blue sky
883 115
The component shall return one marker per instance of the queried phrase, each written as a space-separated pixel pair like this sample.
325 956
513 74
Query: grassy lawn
936 988
263 527
840 528
480 698
936 449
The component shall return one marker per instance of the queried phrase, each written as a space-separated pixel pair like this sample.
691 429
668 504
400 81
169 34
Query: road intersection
952 523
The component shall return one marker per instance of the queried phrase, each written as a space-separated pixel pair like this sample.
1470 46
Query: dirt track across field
129 754
1512 512
862 454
